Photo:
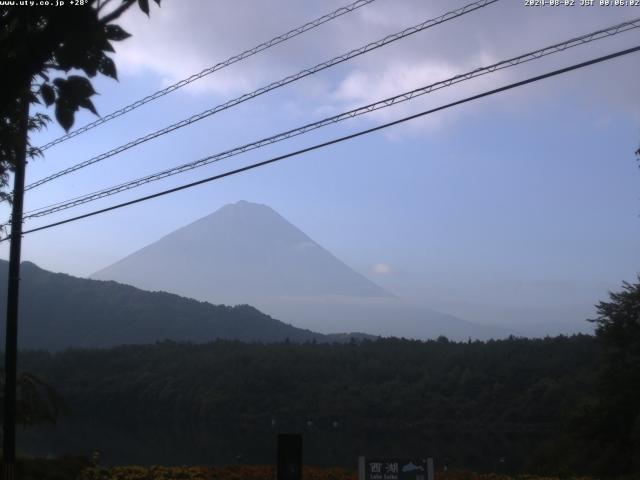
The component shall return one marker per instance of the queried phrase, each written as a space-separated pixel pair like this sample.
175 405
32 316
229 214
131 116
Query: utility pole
11 340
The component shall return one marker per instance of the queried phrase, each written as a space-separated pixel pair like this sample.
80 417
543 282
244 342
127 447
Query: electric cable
336 140
388 102
207 71
272 86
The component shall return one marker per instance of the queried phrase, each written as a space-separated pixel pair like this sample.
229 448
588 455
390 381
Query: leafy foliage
37 402
609 425
39 47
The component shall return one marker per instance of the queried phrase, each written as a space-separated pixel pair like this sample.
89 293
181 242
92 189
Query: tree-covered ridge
609 424
60 311
469 403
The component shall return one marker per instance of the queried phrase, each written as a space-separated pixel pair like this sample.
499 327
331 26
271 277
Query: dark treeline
507 405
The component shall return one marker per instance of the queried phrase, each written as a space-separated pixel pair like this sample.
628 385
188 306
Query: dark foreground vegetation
557 406
501 405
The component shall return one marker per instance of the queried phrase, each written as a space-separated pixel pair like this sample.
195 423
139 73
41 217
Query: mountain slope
58 311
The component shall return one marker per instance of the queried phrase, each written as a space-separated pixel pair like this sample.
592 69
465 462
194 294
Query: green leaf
116 33
91 62
71 55
88 104
64 114
79 87
107 47
73 92
144 6
48 94
107 67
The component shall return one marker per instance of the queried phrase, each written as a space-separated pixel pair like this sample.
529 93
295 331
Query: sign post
395 469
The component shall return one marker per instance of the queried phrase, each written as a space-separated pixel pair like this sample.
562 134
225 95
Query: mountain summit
241 252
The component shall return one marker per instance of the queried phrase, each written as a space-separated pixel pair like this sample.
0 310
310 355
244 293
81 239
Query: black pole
11 340
289 456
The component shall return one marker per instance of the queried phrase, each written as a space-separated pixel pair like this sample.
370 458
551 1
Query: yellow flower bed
244 472
456 475
265 472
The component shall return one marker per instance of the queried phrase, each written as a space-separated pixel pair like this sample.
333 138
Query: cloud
179 40
365 86
381 269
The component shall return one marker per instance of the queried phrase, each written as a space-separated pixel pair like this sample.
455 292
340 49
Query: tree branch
102 4
126 4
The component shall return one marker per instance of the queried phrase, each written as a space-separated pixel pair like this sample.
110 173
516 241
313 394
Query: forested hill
58 311
469 404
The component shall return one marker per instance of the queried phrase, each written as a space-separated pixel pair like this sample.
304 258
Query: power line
593 36
207 71
291 78
339 139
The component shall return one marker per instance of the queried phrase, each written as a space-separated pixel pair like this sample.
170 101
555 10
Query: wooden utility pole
11 340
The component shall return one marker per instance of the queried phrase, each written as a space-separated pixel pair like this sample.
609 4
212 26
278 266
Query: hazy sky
522 201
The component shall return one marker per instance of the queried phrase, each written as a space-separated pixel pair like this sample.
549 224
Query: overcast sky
518 207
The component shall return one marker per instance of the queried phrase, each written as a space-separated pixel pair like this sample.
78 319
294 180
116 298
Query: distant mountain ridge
58 311
247 253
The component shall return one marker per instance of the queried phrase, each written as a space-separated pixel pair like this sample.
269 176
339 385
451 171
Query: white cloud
180 39
365 86
381 269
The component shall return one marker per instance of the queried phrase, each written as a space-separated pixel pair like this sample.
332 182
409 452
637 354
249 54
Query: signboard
395 469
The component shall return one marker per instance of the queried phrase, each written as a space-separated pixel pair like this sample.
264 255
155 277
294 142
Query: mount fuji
247 253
